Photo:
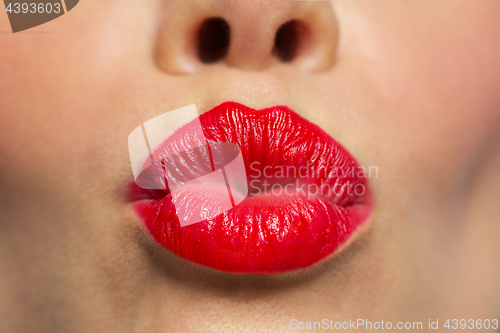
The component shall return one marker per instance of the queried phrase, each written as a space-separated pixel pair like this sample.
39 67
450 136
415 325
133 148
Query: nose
249 35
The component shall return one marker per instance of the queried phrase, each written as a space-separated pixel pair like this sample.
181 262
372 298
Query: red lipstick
307 196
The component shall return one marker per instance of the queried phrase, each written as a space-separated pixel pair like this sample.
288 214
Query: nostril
213 40
286 42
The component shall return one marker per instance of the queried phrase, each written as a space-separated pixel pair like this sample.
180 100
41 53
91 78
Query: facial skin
408 86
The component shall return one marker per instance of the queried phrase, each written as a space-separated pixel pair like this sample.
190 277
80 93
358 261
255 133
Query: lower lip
277 231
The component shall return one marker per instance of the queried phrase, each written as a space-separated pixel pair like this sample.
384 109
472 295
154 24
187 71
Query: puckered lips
306 195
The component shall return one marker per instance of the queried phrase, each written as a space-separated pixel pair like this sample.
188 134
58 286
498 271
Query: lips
307 195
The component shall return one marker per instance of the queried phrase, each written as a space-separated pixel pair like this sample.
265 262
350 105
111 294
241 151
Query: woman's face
408 87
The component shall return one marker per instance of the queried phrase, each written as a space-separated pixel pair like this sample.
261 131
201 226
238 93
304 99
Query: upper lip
269 233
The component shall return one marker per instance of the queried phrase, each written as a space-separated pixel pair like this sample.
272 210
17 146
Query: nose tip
255 25
248 35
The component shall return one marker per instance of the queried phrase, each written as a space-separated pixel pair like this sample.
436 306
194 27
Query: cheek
437 79
55 105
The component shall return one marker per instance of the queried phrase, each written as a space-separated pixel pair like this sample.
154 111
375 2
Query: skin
410 87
